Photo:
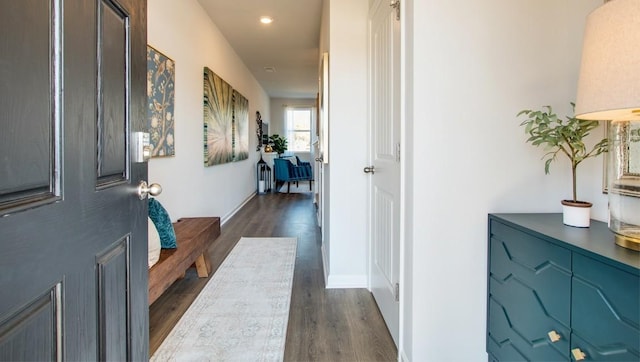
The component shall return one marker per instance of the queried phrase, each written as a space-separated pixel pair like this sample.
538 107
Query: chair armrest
303 172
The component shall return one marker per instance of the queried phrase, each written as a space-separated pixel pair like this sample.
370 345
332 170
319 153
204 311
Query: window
299 129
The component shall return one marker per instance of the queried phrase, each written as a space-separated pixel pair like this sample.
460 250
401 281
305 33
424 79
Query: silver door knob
145 190
370 169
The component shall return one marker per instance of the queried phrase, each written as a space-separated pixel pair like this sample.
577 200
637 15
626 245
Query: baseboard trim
325 267
346 281
340 281
224 219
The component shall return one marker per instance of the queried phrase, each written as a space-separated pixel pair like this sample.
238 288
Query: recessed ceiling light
266 19
270 69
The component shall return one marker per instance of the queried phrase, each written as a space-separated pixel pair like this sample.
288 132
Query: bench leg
203 265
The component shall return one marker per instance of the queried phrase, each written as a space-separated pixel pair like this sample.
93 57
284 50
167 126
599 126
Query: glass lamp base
628 242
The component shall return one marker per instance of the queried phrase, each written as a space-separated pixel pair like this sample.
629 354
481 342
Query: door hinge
396 5
398 152
397 292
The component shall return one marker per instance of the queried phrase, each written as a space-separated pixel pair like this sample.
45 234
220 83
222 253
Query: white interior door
384 156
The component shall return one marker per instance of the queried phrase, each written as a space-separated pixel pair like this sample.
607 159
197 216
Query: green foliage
565 137
278 143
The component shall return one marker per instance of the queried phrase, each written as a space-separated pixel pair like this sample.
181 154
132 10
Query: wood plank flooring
324 324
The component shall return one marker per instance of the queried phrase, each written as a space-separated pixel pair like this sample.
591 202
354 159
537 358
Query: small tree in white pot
564 137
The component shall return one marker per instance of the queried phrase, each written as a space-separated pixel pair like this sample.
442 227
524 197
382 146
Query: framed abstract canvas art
218 120
240 127
226 122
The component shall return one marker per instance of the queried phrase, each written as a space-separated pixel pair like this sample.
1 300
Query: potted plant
278 144
564 137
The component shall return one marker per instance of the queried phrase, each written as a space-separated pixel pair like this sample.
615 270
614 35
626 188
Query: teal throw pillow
163 224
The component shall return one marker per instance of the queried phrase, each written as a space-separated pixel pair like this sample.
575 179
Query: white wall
278 115
347 143
474 65
182 31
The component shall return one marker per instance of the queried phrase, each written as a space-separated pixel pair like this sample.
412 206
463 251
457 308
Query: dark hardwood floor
324 324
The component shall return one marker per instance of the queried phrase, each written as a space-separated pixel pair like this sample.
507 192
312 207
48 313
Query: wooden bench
193 237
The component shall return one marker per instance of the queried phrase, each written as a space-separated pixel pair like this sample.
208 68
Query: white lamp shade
609 82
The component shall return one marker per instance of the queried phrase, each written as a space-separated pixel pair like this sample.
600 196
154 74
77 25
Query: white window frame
290 131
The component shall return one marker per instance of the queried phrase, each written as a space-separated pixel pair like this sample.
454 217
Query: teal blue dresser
559 293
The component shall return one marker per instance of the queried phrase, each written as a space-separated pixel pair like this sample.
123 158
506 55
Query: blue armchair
306 168
286 171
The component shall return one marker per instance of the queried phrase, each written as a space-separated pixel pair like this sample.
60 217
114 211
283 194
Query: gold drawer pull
578 355
553 336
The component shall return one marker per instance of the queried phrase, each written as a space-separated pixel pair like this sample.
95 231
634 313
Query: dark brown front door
73 269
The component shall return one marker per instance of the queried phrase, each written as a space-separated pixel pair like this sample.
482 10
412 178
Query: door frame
406 183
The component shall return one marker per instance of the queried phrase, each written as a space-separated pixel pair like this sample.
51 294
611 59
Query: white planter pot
576 214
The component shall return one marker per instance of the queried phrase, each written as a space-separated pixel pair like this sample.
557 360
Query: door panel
383 209
28 177
384 155
73 280
113 268
112 80
36 324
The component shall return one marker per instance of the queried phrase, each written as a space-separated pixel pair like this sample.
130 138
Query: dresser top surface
596 240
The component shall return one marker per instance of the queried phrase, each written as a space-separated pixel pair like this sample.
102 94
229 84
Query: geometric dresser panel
605 315
558 293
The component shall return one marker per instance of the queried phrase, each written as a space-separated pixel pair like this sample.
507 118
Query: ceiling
289 45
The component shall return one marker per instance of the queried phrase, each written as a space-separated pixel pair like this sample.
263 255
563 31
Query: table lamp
609 89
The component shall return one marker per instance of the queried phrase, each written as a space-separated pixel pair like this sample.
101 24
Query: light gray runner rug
242 312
